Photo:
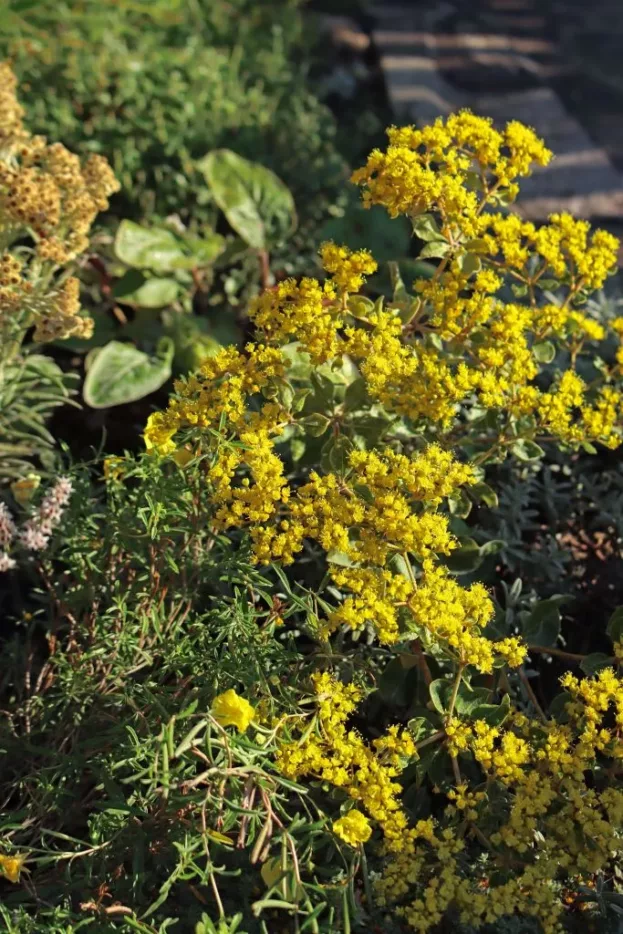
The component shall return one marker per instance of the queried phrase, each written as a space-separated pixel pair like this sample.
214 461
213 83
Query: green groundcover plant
267 675
156 86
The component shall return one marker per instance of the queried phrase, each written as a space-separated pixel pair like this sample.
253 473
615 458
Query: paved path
514 59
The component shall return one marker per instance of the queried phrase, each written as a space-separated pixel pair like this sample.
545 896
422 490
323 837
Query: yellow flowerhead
11 867
24 489
354 828
158 433
347 267
229 709
113 468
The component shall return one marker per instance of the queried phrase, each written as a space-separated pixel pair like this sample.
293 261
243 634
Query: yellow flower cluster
354 828
11 112
427 859
556 822
488 344
495 360
382 508
47 195
564 248
446 613
617 327
217 399
348 268
303 312
429 168
412 380
59 314
338 755
426 366
309 312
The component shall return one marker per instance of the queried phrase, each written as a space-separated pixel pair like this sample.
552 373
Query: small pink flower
6 562
8 529
32 537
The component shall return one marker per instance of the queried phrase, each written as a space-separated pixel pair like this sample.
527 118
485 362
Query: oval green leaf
154 248
154 293
257 204
121 373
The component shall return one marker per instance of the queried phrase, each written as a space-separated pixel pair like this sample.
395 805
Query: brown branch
549 650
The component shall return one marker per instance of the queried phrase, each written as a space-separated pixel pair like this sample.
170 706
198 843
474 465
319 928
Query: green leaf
153 248
615 625
340 558
557 707
407 312
439 694
506 196
398 682
315 425
256 203
297 448
477 243
420 728
467 699
493 714
542 626
595 662
459 504
525 450
469 263
359 306
437 248
323 397
129 282
154 293
544 352
356 395
193 342
425 228
399 291
465 558
299 399
121 373
370 428
398 563
493 547
334 453
484 492
205 249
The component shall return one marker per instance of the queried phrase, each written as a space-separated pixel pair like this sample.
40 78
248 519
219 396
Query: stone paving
525 60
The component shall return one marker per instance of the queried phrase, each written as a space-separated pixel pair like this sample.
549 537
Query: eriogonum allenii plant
343 431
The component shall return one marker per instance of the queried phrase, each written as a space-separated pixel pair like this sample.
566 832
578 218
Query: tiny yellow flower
113 468
11 867
229 709
24 489
354 828
158 433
